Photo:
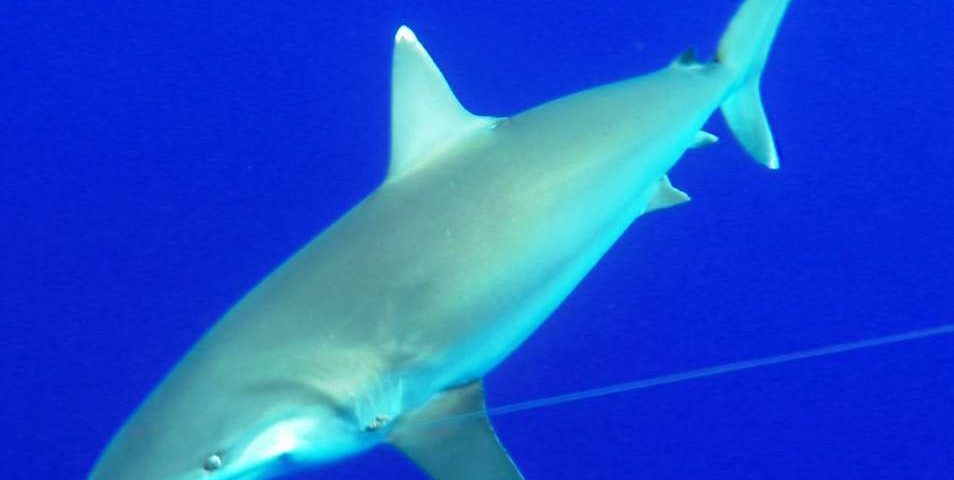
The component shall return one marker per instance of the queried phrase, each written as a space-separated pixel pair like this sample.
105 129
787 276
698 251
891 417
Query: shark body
391 317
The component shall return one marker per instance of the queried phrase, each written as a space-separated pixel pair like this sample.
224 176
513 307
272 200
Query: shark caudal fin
744 48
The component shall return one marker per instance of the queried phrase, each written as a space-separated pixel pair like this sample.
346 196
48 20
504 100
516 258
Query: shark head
199 426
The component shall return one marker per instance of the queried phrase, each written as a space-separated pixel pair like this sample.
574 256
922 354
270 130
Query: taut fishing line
694 374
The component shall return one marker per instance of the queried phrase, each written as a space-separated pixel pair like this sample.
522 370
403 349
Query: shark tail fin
744 49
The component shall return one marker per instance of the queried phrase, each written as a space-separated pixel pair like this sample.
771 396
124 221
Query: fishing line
696 374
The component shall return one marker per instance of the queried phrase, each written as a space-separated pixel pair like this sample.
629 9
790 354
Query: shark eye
213 462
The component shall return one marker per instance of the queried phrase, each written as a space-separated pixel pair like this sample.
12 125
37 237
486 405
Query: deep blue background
159 158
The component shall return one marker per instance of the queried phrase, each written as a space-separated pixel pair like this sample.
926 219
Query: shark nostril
213 462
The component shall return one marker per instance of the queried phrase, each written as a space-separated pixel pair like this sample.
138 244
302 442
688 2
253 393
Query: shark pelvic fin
666 196
425 114
451 438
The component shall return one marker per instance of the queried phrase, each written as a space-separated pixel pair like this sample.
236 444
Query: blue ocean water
159 158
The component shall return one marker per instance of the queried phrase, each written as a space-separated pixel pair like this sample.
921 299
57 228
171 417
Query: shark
386 323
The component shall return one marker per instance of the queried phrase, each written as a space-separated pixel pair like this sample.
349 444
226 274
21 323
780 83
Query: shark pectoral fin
451 438
424 111
666 196
704 139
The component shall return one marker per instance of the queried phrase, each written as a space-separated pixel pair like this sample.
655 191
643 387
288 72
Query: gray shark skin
389 319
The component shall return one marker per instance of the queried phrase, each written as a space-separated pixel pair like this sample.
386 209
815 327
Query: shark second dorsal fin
425 114
450 438
687 58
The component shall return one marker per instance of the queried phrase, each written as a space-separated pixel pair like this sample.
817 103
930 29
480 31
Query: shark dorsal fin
425 114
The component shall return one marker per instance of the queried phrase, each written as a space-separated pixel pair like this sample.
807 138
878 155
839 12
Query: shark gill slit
705 372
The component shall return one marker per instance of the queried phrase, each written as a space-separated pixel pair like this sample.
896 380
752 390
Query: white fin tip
405 34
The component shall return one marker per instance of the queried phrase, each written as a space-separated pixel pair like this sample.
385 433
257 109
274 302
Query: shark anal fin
704 139
666 196
451 439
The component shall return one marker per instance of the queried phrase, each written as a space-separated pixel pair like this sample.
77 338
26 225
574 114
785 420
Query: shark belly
504 247
393 315
536 226
365 298
434 279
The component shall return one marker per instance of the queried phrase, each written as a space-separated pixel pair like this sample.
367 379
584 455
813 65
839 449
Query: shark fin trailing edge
744 49
451 438
424 111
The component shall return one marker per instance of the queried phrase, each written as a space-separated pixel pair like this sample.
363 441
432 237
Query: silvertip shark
390 318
